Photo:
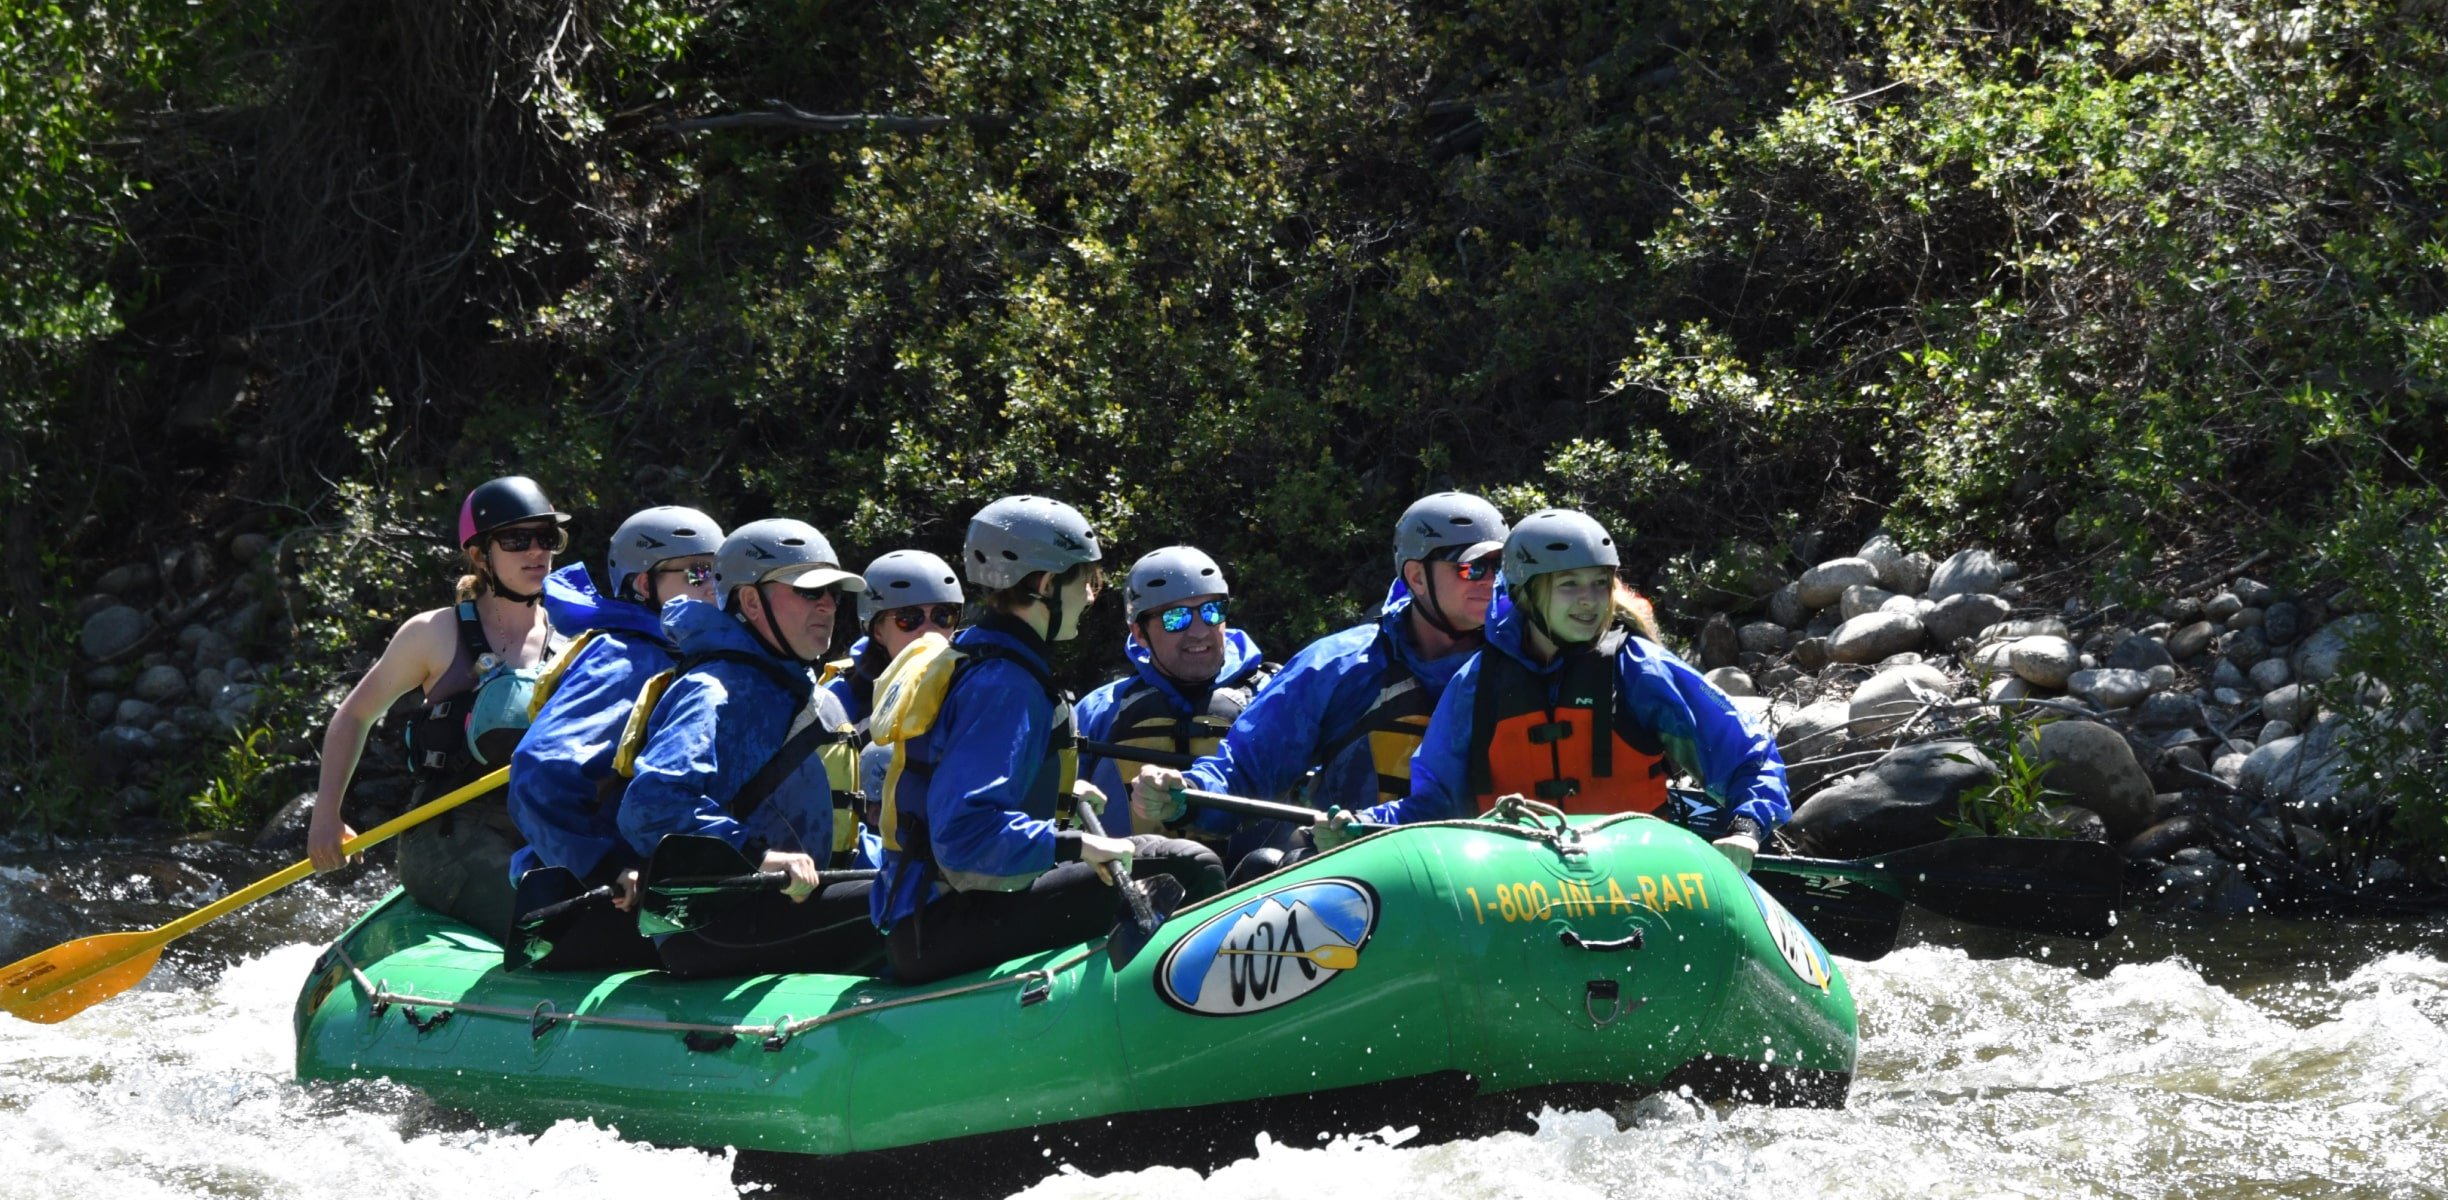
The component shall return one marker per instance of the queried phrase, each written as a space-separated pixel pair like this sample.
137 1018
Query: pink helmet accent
467 519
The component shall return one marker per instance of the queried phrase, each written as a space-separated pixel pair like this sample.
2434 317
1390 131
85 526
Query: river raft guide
1454 976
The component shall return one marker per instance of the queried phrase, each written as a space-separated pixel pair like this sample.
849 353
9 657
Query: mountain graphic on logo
1269 956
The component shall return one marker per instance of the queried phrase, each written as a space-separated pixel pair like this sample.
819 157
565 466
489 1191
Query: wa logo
1270 951
1801 951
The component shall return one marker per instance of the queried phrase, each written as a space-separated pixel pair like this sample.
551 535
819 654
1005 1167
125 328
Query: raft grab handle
1574 940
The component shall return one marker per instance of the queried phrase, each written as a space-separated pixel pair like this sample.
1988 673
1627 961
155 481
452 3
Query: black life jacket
460 737
1565 746
1146 718
1394 723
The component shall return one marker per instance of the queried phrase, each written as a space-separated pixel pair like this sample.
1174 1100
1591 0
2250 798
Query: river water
2251 1058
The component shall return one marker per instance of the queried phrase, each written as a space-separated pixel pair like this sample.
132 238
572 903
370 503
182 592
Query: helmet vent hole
794 541
1558 546
900 583
1206 571
1008 556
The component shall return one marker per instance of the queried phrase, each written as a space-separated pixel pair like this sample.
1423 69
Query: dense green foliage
2106 277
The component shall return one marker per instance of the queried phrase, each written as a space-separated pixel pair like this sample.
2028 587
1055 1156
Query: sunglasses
520 541
1177 618
914 617
696 574
1479 568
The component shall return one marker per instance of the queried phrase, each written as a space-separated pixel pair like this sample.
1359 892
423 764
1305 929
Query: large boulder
1968 572
1882 552
1873 636
2139 653
1786 607
1882 706
1764 637
1905 799
1824 584
2043 661
1814 732
1862 598
2323 655
2095 768
1962 616
2190 640
2110 687
111 632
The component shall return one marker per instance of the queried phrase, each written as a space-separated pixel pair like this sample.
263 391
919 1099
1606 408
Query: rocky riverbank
2210 739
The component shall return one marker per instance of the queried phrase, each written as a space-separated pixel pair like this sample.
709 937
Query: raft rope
1516 815
1034 986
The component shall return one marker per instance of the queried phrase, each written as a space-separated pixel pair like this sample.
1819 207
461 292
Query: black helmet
504 501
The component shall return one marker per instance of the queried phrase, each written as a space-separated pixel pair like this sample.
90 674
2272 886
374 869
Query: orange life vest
1564 747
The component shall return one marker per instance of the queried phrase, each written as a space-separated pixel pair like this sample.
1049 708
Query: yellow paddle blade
65 980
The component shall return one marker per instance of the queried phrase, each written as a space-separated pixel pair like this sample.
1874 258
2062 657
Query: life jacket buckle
1546 732
1553 790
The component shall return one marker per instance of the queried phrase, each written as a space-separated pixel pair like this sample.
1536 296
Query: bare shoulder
428 641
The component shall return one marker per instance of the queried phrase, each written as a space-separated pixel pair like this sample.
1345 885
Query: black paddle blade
1849 918
2039 885
671 895
545 913
1145 905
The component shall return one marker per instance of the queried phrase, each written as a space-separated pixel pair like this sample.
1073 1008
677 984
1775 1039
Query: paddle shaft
299 870
1140 912
1137 754
60 982
755 881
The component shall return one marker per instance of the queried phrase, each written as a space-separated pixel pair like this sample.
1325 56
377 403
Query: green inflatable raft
1454 977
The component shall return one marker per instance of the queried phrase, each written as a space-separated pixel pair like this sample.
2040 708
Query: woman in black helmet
475 663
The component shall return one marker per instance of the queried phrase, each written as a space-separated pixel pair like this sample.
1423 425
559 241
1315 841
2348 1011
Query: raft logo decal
1270 950
1801 950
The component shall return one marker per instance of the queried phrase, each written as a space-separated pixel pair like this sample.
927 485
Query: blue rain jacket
1317 699
715 728
855 685
986 773
557 777
1095 714
1705 736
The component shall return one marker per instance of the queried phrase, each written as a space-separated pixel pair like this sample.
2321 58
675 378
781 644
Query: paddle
1333 958
693 879
1137 754
1144 906
66 979
549 901
2034 885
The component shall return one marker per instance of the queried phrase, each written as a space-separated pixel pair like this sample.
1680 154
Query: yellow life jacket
1394 724
909 698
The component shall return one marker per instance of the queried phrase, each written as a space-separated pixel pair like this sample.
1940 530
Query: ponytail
1633 609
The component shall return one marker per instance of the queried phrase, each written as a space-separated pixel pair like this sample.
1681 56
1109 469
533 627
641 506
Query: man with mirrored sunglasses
1192 674
564 793
1338 724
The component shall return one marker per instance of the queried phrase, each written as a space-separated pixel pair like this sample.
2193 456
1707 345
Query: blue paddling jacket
715 728
854 686
564 794
1351 704
1147 708
1657 697
978 790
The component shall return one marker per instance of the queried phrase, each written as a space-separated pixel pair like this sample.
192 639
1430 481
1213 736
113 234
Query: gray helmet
1556 539
1445 521
657 535
903 578
1162 578
777 550
1017 536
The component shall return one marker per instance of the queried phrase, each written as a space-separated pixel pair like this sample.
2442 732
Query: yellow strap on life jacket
908 698
550 681
633 734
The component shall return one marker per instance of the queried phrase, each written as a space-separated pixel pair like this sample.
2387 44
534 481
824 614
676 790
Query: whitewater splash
2289 1067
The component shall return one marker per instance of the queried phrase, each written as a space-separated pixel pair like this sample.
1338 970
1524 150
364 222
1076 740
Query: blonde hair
1632 610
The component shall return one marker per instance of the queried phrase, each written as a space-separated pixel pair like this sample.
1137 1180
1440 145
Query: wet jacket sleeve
1272 742
994 729
1706 736
568 751
686 771
1440 768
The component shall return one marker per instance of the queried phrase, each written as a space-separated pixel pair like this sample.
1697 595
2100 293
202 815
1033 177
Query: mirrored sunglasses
521 540
1479 568
697 574
914 617
1177 618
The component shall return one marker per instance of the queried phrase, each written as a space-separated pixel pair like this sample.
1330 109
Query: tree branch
783 115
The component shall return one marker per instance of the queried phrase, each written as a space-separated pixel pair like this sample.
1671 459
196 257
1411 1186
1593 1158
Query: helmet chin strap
1425 601
493 580
1537 616
781 644
1054 606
